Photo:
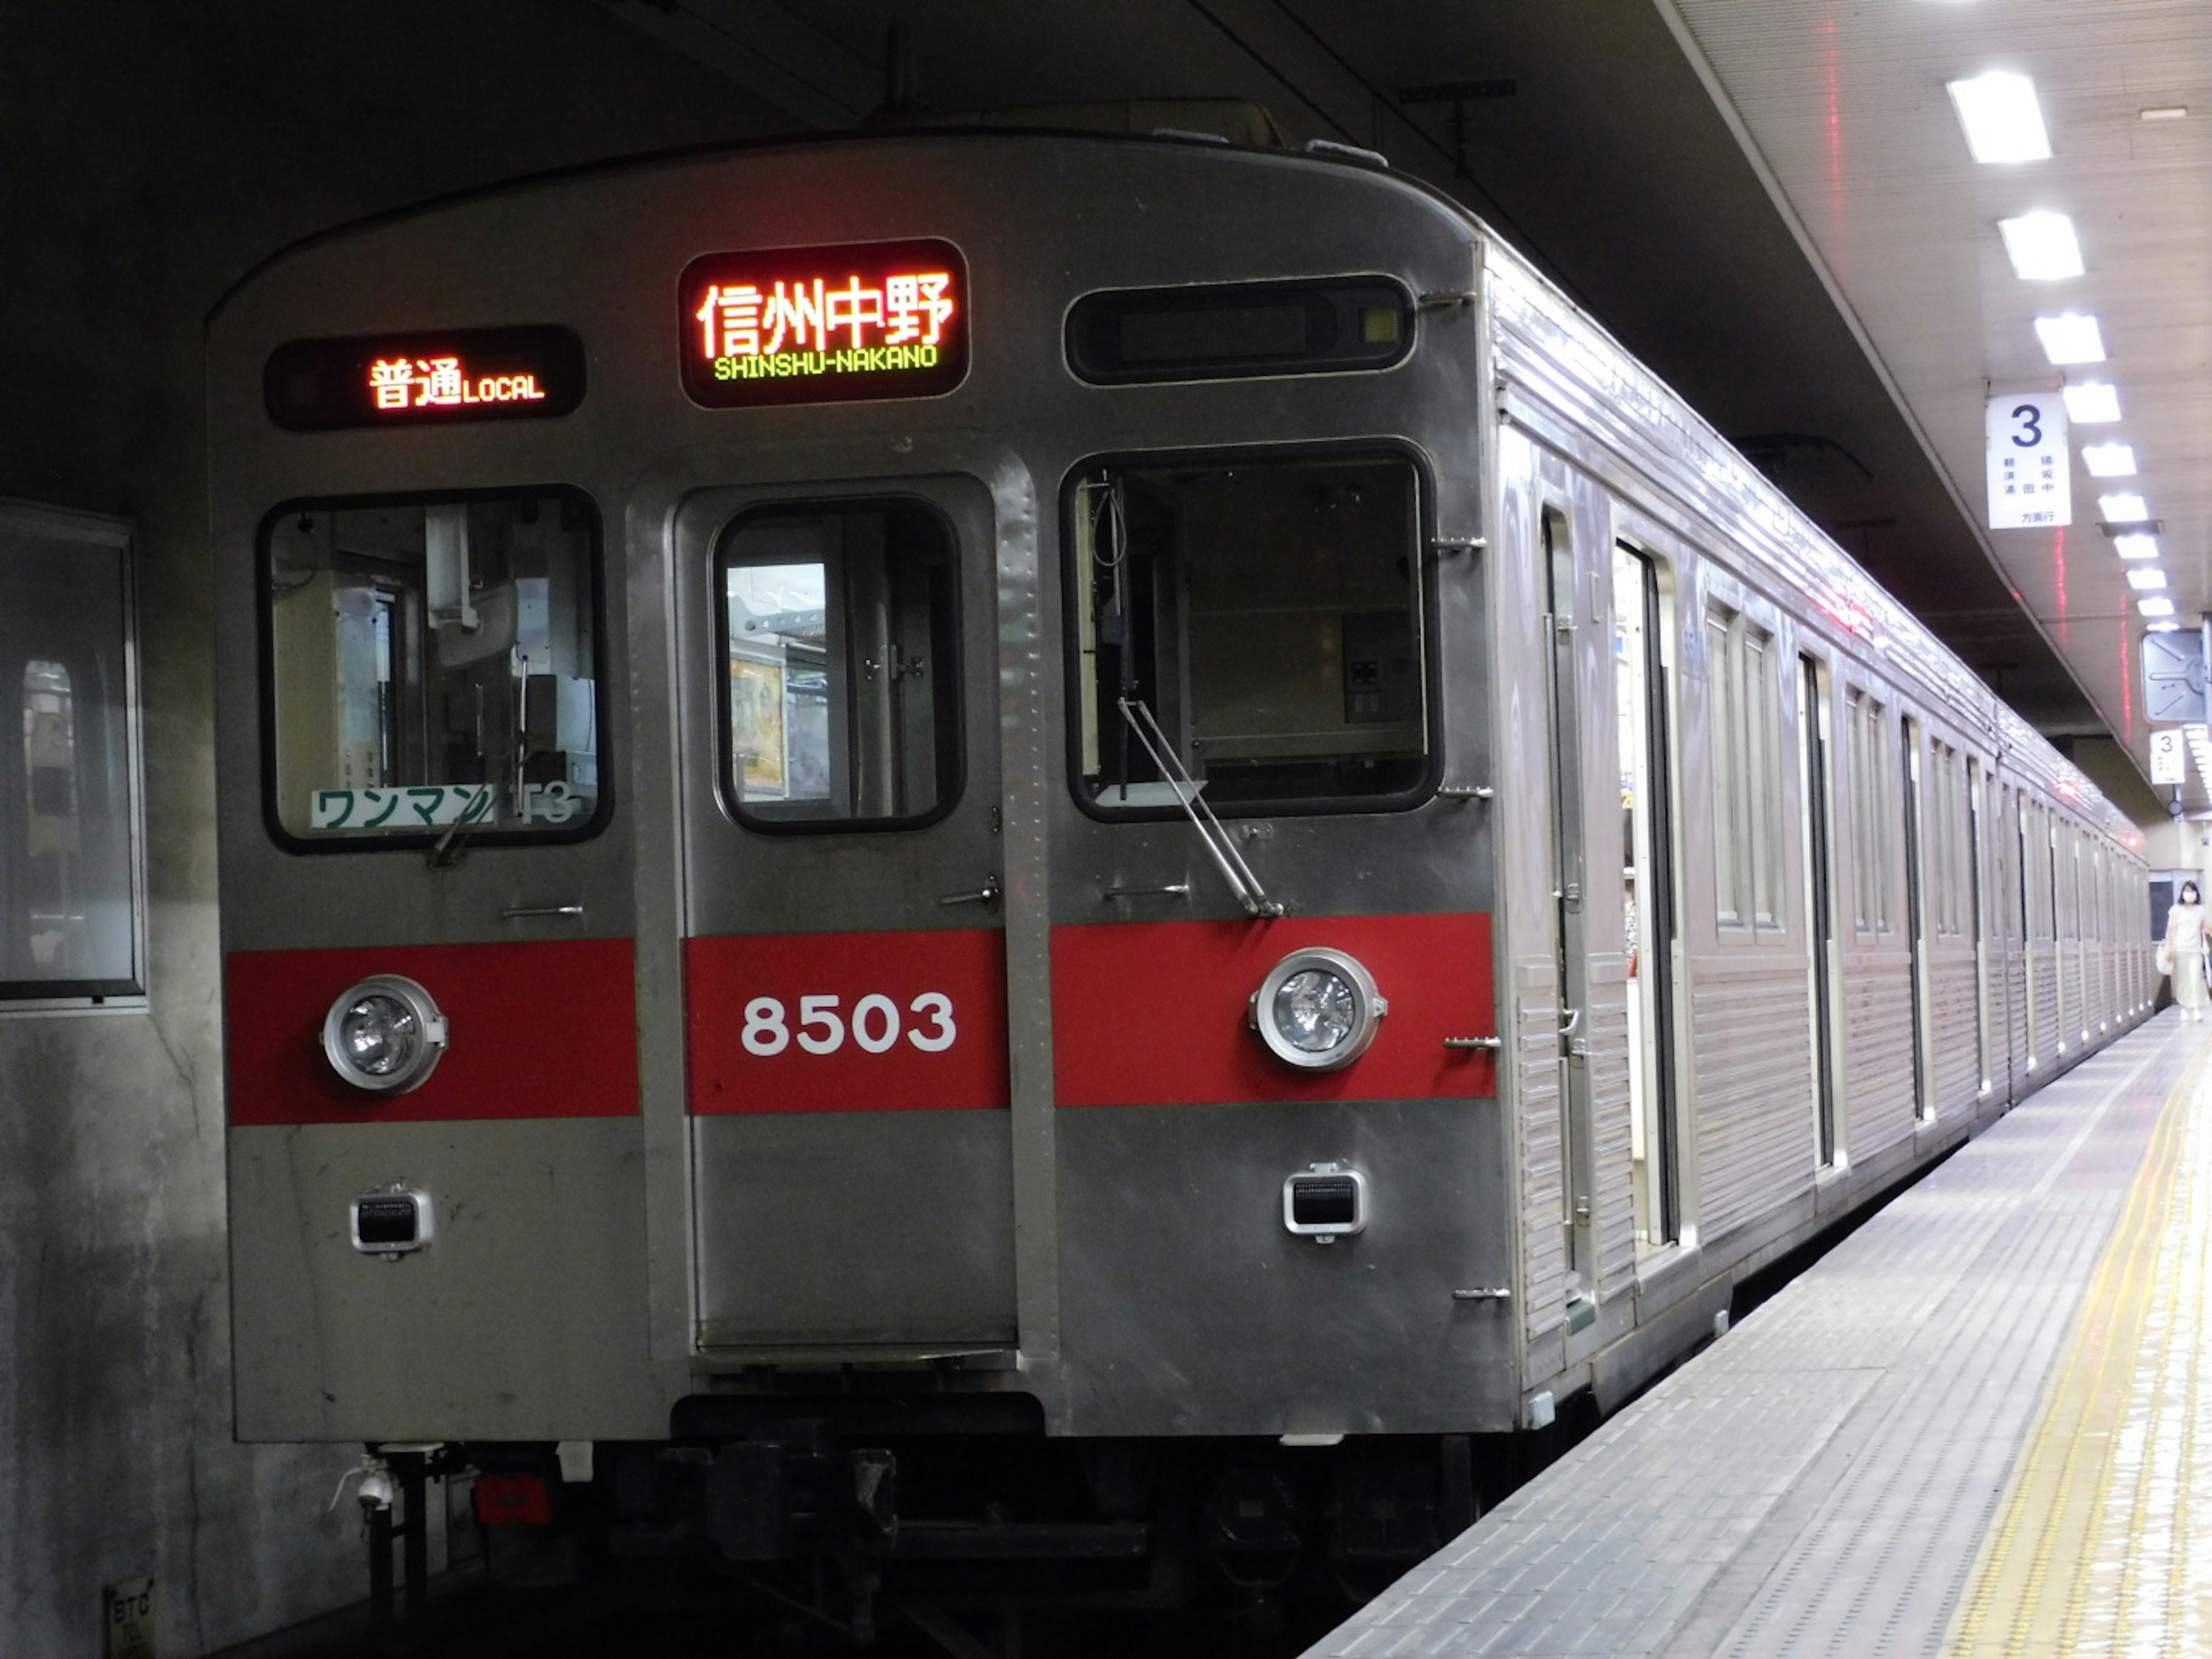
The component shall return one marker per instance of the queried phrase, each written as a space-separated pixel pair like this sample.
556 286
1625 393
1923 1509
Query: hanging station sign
2031 473
804 326
416 379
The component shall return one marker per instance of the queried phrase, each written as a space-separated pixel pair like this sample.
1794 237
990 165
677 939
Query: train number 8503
874 1025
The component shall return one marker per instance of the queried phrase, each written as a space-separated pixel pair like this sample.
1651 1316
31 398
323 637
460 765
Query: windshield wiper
1238 874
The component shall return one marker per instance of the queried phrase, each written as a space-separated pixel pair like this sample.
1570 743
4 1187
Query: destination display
412 379
793 325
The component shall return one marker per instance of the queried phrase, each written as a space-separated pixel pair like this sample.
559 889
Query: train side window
71 921
841 702
1254 630
1746 789
432 670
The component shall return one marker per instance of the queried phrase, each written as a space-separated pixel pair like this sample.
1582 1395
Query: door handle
988 895
1574 1019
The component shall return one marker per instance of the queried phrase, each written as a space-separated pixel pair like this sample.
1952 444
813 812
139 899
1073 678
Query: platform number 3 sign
2031 473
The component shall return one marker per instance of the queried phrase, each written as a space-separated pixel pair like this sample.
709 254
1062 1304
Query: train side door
846 986
1816 840
1645 723
1562 622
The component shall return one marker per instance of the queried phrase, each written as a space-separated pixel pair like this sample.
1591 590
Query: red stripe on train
1155 1014
541 1030
848 1022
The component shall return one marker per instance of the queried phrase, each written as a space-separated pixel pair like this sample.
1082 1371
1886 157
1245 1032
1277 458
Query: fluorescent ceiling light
2042 246
2135 547
2167 113
2122 508
2109 460
2155 606
2002 121
2072 336
2092 403
2145 578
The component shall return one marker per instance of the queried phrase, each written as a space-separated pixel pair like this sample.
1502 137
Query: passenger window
840 630
71 894
433 669
1252 632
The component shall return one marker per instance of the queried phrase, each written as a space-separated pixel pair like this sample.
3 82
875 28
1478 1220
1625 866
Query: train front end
858 893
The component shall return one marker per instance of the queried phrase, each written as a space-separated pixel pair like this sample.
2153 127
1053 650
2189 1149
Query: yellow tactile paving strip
2103 1543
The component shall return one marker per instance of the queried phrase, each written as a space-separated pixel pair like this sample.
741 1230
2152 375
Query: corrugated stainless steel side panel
1607 1020
1878 1040
1752 1029
1956 1050
2044 1026
1542 1181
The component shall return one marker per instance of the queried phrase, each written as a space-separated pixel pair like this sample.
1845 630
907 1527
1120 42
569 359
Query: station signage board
2169 756
2030 468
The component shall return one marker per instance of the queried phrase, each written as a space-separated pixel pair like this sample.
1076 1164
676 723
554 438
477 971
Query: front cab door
846 1020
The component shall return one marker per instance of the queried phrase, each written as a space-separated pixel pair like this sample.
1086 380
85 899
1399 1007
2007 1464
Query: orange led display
877 320
410 379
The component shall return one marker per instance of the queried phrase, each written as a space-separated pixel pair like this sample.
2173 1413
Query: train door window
1915 914
1724 724
71 921
433 668
1747 797
1251 630
1641 697
1870 816
840 630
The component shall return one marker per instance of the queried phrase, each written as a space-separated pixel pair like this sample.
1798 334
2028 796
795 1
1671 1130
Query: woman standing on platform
2184 943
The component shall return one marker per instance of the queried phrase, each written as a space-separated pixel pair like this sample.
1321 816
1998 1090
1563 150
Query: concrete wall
149 155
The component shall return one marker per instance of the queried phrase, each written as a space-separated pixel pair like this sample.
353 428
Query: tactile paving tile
1819 1482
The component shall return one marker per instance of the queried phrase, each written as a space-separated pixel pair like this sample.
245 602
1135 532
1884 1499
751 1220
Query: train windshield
838 630
433 669
1252 633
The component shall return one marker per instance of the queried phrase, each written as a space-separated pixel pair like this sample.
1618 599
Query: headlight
385 1035
1317 1008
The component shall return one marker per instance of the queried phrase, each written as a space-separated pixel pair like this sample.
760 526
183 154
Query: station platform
1974 1428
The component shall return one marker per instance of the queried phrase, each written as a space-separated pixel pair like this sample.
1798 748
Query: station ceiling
1773 205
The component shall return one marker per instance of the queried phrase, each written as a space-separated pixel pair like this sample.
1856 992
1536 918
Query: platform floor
1980 1425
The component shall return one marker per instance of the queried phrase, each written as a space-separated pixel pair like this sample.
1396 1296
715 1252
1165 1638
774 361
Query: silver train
1003 862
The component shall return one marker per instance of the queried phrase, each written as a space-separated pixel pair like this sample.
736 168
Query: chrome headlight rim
430 1043
1368 1006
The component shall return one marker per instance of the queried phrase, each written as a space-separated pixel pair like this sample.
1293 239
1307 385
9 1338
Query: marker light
2003 121
1317 1008
2155 606
384 1035
2136 546
2072 336
2122 508
2042 246
2109 460
2145 578
2092 403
